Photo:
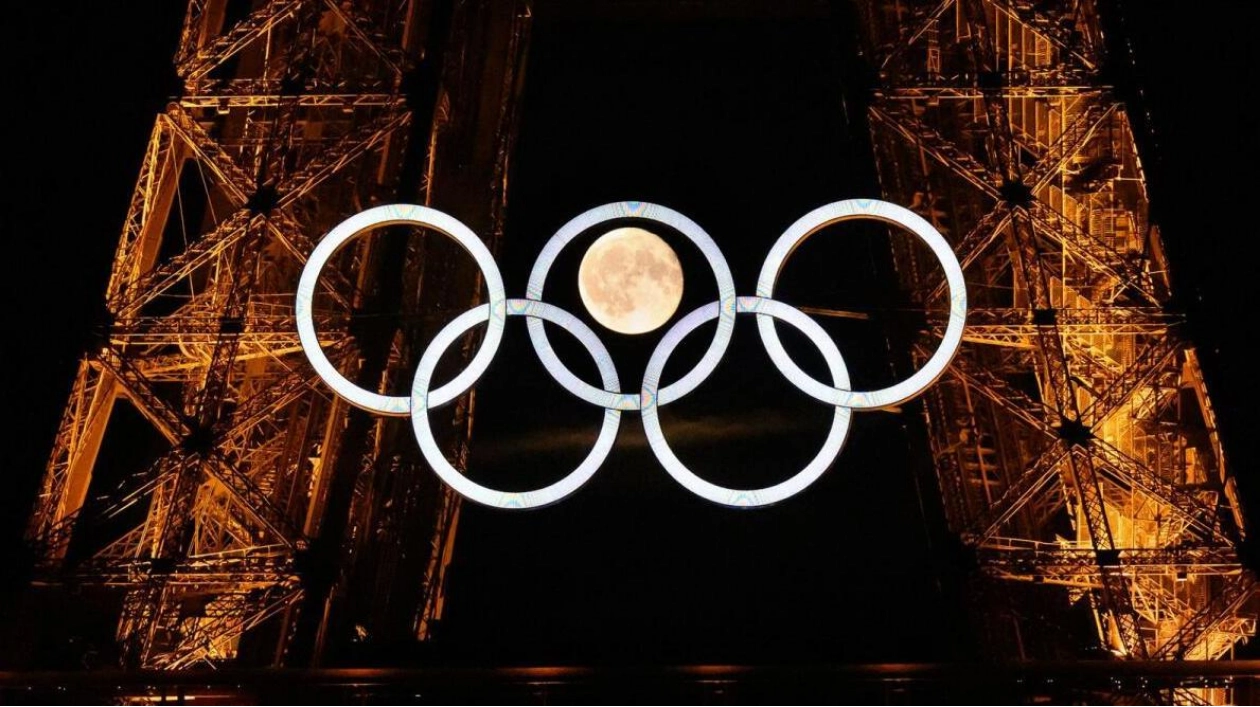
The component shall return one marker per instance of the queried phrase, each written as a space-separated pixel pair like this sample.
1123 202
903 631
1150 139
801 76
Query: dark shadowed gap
744 126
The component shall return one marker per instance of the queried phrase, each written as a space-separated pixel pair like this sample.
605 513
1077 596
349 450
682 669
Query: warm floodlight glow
630 280
651 395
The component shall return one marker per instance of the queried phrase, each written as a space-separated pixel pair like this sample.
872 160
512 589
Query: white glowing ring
847 210
422 401
651 396
747 498
648 212
394 214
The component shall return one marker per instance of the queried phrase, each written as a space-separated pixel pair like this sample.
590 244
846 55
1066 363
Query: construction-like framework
1073 438
271 524
268 518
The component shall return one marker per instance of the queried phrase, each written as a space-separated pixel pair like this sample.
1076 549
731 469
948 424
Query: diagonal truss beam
195 62
1235 592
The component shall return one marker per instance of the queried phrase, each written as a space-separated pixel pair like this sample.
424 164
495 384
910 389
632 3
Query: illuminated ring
648 212
421 402
745 497
848 210
393 214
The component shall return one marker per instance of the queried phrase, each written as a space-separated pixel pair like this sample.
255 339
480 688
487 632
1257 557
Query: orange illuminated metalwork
1074 441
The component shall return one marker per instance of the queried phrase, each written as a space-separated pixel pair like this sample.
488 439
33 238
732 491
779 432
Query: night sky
635 568
743 126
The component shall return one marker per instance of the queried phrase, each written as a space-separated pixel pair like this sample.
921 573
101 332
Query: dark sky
703 118
676 114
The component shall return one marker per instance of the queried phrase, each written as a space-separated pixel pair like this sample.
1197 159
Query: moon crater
630 280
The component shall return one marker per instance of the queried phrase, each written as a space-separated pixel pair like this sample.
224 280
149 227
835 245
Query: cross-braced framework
1073 438
269 508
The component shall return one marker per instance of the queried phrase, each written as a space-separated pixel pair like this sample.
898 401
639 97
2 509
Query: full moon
630 280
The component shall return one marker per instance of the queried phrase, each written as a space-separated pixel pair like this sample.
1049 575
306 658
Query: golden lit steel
1073 438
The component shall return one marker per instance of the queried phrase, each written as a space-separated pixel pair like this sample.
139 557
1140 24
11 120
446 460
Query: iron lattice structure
1073 439
271 520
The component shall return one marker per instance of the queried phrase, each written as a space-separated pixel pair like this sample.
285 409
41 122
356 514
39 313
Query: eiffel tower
1074 440
263 505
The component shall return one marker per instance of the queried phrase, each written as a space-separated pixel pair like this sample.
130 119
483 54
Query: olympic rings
651 396
420 405
360 223
750 497
852 209
647 212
